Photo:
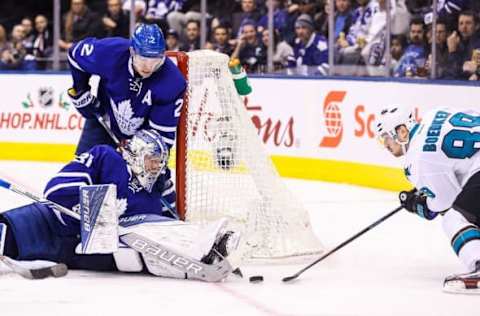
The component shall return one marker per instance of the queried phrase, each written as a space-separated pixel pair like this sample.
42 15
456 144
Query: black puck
256 279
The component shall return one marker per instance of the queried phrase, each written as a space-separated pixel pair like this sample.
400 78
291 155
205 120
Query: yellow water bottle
240 78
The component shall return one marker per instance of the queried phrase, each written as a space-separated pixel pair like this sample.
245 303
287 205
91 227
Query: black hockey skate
222 248
465 283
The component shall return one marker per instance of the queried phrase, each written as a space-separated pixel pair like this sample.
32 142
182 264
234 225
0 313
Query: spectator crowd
239 28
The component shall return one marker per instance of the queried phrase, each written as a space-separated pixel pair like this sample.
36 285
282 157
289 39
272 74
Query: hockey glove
416 202
85 102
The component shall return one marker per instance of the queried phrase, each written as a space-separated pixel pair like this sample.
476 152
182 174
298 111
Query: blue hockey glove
416 202
85 102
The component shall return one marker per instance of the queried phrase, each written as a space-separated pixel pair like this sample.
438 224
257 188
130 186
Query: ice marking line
248 301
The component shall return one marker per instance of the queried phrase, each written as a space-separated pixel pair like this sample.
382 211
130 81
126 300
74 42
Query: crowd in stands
239 28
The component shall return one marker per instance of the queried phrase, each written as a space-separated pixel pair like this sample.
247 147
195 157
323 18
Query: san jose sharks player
139 87
125 185
443 163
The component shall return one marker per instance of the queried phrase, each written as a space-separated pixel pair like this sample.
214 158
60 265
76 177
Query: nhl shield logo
45 96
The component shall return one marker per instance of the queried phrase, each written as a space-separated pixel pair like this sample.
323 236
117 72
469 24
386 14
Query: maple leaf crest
127 123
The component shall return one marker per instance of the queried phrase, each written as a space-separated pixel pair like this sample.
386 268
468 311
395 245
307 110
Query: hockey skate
465 283
222 248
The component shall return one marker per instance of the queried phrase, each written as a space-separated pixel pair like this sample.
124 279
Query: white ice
396 268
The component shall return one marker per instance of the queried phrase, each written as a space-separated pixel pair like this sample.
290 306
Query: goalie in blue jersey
118 192
139 87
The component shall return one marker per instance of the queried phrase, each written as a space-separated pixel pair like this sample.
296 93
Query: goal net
223 170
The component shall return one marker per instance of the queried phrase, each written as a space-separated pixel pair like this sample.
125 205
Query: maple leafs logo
127 124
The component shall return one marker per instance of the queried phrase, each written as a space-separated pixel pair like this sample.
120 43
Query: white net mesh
228 173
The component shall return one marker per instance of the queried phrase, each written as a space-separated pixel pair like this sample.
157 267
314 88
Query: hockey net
223 170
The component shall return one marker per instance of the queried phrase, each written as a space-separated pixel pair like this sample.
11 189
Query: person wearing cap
139 87
310 49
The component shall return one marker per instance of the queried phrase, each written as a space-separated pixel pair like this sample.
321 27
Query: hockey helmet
148 41
148 45
389 119
147 156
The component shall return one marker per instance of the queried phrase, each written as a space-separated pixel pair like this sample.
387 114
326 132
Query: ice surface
395 269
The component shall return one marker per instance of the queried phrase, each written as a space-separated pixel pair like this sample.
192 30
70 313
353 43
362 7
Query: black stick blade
290 278
55 271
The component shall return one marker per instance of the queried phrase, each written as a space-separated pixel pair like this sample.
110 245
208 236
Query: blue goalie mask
147 156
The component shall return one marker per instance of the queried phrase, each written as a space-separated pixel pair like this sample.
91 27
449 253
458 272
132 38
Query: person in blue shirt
415 54
139 87
310 49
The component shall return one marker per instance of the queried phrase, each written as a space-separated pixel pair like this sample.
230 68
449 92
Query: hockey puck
256 279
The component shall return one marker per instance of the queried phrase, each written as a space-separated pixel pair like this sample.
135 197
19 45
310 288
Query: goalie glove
415 202
85 102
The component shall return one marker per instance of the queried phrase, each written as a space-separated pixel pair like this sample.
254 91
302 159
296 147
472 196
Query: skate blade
459 287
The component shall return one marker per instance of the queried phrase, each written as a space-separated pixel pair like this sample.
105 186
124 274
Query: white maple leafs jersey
443 155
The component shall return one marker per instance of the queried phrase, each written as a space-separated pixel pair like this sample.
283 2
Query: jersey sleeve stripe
75 175
168 141
74 63
454 6
163 128
62 186
168 191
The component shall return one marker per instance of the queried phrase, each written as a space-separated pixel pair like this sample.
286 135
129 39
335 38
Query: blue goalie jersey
104 165
129 101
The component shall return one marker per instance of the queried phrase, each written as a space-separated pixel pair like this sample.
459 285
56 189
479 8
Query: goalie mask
147 156
389 120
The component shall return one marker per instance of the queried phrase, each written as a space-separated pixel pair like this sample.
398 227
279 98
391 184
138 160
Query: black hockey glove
85 102
416 202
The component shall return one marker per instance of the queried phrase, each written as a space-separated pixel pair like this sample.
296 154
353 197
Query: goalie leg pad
163 261
190 239
176 249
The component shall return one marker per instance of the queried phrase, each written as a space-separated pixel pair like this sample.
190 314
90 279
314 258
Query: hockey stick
109 131
192 268
35 270
21 191
363 231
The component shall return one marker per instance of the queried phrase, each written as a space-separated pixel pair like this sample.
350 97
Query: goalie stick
363 231
35 270
7 185
192 268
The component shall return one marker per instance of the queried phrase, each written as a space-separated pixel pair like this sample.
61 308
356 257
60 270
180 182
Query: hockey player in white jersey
443 163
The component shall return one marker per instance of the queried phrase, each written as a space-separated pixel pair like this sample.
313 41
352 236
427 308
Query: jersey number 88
460 143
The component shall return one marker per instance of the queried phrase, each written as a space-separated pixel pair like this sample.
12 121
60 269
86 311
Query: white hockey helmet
147 156
389 119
